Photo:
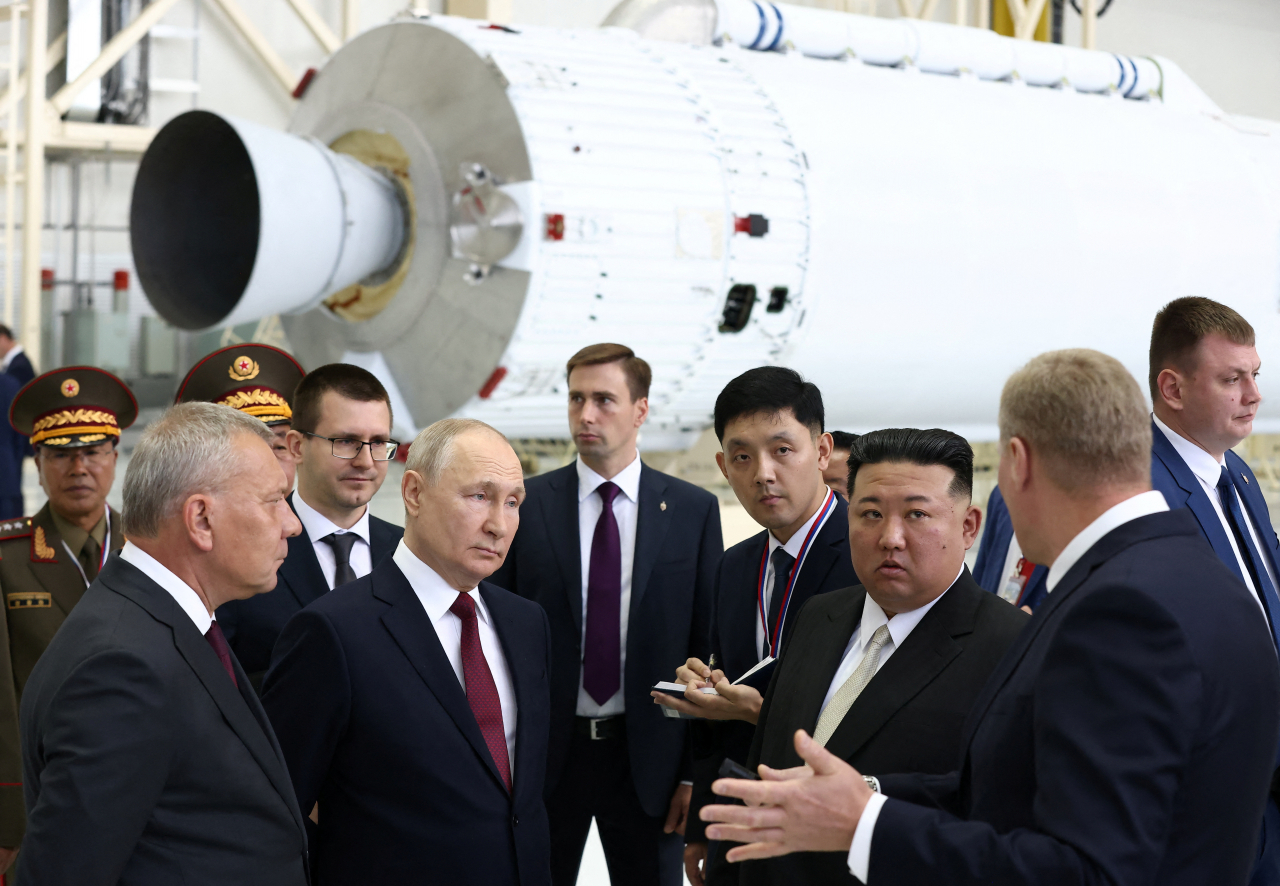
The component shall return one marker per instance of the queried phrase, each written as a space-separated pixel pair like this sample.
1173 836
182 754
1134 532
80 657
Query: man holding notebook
774 450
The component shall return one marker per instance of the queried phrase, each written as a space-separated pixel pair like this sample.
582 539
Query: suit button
515 820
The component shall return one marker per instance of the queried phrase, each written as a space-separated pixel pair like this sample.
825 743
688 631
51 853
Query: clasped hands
811 808
730 703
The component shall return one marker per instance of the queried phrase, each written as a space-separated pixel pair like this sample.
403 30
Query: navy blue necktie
1244 540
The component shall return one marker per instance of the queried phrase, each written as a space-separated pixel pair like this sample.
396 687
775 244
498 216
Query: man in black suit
774 453
1128 734
147 758
628 590
341 443
412 704
13 359
884 674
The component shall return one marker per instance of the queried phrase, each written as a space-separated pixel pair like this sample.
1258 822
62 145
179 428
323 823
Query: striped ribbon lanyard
776 634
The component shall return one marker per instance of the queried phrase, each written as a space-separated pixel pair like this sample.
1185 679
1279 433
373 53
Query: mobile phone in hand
731 769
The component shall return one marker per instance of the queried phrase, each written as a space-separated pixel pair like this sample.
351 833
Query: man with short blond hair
412 704
1204 387
1128 734
623 558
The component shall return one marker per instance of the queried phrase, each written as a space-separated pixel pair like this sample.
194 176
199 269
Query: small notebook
757 678
677 690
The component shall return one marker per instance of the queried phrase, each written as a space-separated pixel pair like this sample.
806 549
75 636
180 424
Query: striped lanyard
775 635
102 559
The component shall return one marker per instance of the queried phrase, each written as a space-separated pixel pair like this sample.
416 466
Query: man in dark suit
1204 387
1128 734
147 758
13 359
883 674
1000 567
412 704
837 475
622 558
774 454
341 443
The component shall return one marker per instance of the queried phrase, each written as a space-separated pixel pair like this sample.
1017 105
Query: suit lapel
301 570
738 609
127 580
822 656
525 668
560 515
651 531
416 636
829 545
924 655
52 566
116 541
1197 499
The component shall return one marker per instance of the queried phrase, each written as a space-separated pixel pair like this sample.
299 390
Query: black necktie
342 543
782 563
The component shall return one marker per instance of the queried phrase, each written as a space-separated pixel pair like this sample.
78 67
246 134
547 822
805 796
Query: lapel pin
662 505
1246 479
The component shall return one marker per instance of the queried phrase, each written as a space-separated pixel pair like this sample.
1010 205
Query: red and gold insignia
40 550
243 369
70 387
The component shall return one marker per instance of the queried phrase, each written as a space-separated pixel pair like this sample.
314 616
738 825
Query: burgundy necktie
482 694
602 652
219 643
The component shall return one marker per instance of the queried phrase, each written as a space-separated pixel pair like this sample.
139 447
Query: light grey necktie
847 694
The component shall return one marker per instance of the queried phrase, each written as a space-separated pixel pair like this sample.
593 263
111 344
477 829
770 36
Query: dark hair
931 447
770 390
5 331
1180 326
347 381
638 374
842 440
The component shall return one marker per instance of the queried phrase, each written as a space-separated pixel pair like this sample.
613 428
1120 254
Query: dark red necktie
219 643
482 694
602 649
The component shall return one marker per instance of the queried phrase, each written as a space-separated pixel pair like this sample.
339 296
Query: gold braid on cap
261 403
69 422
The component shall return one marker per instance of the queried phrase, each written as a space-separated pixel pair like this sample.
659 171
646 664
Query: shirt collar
435 594
1140 505
74 536
901 624
1201 463
318 525
182 593
627 480
796 541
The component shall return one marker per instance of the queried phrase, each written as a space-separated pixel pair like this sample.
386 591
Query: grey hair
432 449
188 450
1086 416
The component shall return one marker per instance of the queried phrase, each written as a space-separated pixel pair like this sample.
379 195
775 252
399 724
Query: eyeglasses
379 450
68 457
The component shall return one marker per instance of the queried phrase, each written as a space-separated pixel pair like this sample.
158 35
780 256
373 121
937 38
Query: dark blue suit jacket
828 567
13 448
994 550
1127 737
678 544
252 626
376 728
144 764
20 368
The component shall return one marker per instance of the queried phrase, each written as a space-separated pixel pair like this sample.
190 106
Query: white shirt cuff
860 851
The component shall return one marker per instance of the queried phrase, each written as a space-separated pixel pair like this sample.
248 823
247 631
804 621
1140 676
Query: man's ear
1169 388
642 413
825 444
197 518
972 525
411 488
293 440
720 464
1019 455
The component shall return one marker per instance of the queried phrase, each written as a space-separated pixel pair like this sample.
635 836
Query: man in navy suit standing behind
411 704
1204 387
623 559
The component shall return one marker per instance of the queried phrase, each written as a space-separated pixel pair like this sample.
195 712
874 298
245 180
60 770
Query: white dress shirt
900 627
1140 505
1208 471
626 510
792 547
318 526
8 358
183 594
437 597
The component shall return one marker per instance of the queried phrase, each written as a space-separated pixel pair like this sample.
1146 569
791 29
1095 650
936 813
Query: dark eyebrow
869 499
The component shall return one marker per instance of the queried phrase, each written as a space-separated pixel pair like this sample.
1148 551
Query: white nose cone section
232 221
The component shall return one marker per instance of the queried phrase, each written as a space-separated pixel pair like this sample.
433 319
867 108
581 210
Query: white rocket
903 211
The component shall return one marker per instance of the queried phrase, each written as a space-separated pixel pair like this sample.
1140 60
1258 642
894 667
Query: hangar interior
118 71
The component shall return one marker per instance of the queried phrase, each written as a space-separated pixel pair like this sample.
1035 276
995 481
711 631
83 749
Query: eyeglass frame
392 446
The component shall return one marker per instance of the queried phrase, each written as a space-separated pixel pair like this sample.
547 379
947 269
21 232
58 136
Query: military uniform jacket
40 583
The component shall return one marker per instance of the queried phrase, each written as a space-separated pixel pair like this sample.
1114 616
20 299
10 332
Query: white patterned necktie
848 693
